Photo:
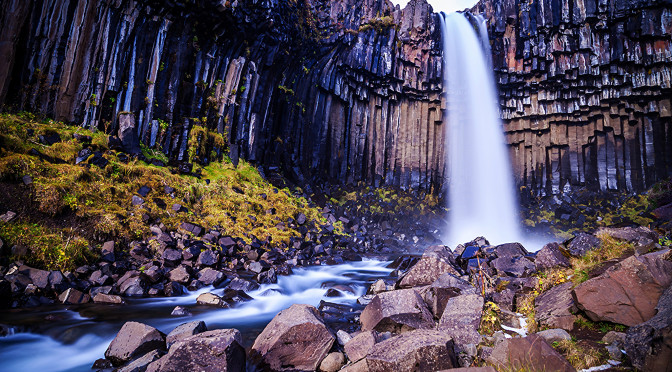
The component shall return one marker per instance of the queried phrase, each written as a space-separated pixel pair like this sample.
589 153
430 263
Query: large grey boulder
553 308
531 353
218 350
649 344
517 266
419 350
444 288
461 319
396 311
185 330
436 261
628 292
133 340
296 339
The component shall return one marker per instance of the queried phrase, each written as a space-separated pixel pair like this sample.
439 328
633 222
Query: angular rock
510 250
359 346
444 288
531 353
436 261
332 362
513 266
242 285
627 293
218 351
396 311
207 258
133 287
210 299
141 364
553 308
461 319
133 340
210 276
73 296
180 311
185 330
582 244
649 344
549 257
296 339
180 275
128 133
419 350
554 335
102 298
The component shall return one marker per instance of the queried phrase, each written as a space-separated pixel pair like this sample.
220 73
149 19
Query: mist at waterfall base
61 338
481 192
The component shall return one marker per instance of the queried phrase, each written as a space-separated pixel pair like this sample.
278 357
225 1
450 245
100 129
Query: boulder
663 213
649 344
133 340
185 330
141 364
180 311
626 293
444 288
510 250
553 308
128 133
531 353
102 298
219 350
209 276
517 266
73 296
39 277
360 345
396 311
296 339
436 261
582 244
419 350
133 287
242 285
461 319
207 258
180 275
555 335
549 257
210 299
629 234
332 362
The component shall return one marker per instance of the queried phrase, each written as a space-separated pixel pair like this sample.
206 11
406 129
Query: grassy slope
237 199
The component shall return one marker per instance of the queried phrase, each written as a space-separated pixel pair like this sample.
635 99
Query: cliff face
585 89
343 91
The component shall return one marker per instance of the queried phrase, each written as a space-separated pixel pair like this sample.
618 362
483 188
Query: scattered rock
582 244
436 261
518 266
207 258
8 216
461 319
554 335
332 362
180 311
102 298
296 339
133 340
359 346
549 257
218 350
531 353
396 311
141 364
73 296
185 330
209 276
554 308
627 293
180 275
210 299
419 350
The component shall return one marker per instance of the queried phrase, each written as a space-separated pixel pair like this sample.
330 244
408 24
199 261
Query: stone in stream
435 261
628 292
296 339
73 296
180 311
649 344
419 350
461 319
218 350
133 340
554 308
185 330
102 298
242 285
396 311
531 353
210 299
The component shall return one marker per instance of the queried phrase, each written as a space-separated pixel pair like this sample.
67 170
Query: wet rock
133 287
210 299
332 362
185 330
171 257
359 346
172 289
207 258
102 298
133 340
553 308
554 335
378 286
436 261
649 344
141 364
219 350
128 134
296 339
419 350
232 296
242 285
396 311
101 364
582 244
549 257
461 319
180 311
180 275
627 293
531 353
73 296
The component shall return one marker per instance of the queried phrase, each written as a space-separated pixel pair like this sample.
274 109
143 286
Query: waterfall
481 191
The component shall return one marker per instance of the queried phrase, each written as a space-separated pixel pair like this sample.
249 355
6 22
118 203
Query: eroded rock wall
585 89
346 91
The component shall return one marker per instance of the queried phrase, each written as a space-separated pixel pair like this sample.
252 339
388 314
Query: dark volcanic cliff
345 90
349 91
585 89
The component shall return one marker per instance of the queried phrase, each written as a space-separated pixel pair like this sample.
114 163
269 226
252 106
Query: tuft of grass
610 248
580 356
490 319
545 280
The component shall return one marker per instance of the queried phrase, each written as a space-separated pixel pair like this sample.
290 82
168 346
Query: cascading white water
481 199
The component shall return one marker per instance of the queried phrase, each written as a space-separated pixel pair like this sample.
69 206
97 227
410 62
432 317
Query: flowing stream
66 338
481 190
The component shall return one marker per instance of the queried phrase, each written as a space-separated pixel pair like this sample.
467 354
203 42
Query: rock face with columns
350 91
